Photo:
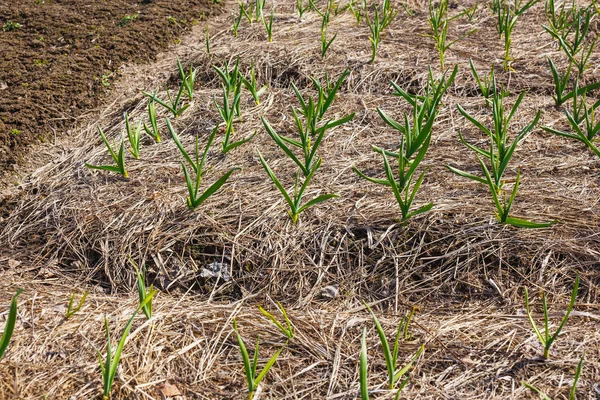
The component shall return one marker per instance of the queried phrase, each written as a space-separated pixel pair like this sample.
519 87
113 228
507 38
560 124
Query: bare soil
65 56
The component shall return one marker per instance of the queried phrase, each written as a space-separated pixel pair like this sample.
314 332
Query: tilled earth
62 57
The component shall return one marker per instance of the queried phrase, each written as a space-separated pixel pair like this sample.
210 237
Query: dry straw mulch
463 270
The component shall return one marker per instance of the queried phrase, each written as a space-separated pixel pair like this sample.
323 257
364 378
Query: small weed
11 26
128 19
72 310
287 330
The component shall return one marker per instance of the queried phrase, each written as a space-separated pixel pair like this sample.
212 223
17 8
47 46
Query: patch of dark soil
58 58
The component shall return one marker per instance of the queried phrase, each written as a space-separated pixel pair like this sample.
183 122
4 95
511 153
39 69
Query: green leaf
387 354
543 395
233 145
364 384
9 327
406 368
282 145
245 357
522 223
384 182
271 174
467 175
267 367
213 188
317 200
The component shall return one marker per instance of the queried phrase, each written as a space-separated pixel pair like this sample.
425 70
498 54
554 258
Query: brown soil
66 54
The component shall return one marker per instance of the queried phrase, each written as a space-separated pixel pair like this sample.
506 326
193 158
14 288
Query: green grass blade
267 367
282 145
245 357
213 188
271 174
467 175
407 367
317 200
9 327
569 309
110 168
387 354
543 395
474 121
364 384
573 392
384 182
522 223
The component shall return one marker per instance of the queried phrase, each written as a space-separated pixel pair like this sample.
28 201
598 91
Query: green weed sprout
572 393
295 201
9 328
413 144
118 158
364 367
143 290
250 368
174 104
576 49
197 165
134 135
207 40
268 23
287 330
11 26
251 86
499 155
72 310
391 354
561 95
546 339
152 131
507 15
582 115
109 366
381 20
439 23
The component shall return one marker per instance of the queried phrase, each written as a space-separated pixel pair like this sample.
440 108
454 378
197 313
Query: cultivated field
320 178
